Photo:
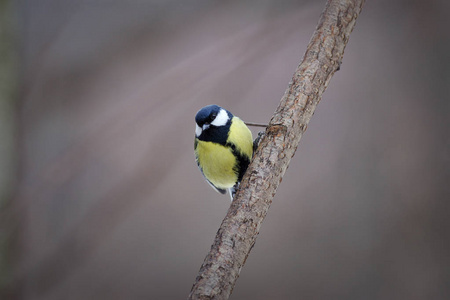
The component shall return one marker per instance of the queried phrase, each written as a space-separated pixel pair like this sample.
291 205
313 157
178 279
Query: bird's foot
257 140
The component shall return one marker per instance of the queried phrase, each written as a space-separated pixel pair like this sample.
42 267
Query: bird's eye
212 116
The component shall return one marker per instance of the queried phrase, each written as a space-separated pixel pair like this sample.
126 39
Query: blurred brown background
100 194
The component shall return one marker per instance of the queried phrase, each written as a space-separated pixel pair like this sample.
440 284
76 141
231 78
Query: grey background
108 202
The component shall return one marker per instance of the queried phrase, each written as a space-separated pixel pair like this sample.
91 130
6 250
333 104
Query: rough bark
238 231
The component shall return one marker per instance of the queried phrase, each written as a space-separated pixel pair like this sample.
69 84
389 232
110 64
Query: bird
223 148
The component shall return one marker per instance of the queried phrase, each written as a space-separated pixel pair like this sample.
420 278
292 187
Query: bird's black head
212 124
207 114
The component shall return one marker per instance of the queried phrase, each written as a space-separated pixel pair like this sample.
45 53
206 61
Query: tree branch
237 234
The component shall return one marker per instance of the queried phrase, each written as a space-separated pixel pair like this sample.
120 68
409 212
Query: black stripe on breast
242 161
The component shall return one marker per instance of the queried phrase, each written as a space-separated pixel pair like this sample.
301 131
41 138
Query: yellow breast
217 163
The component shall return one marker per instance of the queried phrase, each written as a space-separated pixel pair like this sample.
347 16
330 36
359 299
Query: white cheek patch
221 119
198 130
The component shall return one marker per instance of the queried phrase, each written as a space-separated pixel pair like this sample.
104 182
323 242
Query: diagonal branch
237 234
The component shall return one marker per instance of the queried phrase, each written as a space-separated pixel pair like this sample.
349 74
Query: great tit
223 148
